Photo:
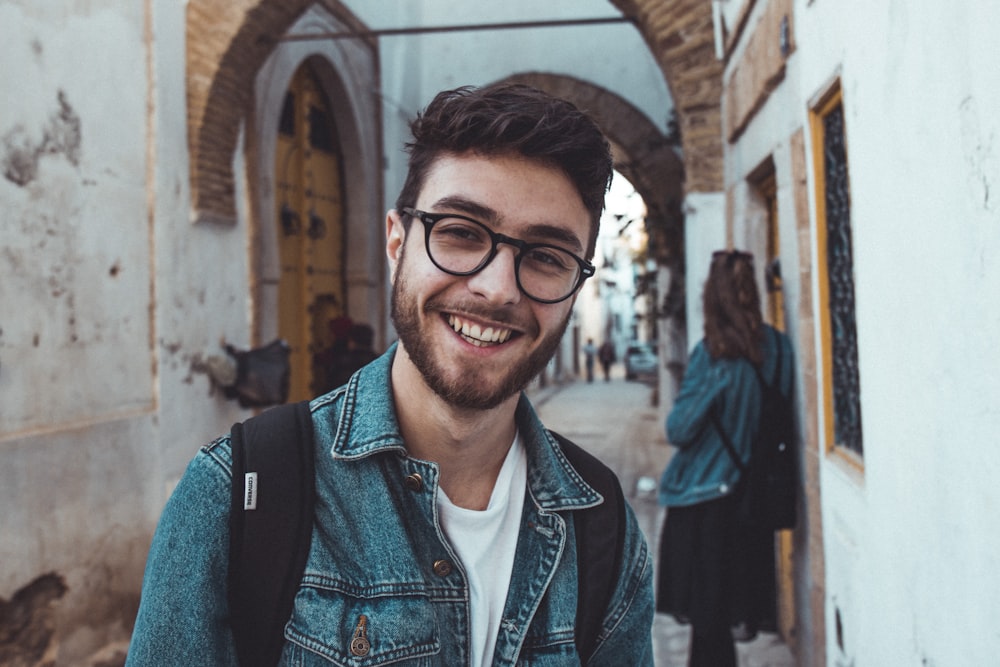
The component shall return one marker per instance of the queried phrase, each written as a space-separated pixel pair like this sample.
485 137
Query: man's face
478 340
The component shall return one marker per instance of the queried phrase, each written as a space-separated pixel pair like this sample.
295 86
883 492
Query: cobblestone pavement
618 422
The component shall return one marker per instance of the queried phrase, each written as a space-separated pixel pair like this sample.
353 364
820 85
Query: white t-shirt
485 541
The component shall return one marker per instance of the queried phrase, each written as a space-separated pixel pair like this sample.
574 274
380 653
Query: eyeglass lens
544 272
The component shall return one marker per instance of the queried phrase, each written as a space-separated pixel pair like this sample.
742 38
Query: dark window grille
840 274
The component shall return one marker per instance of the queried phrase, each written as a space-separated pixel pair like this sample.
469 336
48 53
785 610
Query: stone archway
227 43
681 37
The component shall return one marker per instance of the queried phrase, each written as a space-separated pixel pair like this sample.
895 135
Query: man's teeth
477 335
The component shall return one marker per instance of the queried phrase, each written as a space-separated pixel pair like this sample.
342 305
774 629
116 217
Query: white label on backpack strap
250 491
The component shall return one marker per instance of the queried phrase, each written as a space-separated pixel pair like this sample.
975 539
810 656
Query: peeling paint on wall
27 622
21 152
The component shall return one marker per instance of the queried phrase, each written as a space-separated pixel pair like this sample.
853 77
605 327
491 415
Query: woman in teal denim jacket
701 469
704 553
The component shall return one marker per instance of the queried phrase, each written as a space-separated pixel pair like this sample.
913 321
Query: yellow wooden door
310 222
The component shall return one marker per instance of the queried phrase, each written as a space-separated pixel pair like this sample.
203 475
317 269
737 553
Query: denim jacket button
414 482
360 644
442 568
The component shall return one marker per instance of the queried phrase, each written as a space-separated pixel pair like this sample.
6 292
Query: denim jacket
702 468
378 550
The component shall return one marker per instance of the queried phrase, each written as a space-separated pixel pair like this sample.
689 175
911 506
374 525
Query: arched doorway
309 196
320 180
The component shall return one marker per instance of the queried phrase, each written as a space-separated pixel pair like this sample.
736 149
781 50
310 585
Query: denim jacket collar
370 427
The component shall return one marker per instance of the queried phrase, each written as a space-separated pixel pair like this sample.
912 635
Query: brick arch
680 35
226 45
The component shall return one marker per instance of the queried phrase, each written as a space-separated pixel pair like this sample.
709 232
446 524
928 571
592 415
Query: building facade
860 158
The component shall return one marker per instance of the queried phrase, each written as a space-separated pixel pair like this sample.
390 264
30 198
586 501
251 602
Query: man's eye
459 231
550 258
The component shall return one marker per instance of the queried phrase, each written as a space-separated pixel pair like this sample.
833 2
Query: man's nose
497 281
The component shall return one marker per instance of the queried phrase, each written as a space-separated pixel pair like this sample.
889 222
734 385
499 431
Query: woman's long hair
731 302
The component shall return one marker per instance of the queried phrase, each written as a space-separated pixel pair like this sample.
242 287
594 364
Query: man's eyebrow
468 207
541 232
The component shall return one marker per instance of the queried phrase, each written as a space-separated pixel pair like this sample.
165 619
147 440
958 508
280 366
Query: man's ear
395 237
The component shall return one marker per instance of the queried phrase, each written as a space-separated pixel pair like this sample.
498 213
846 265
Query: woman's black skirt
713 570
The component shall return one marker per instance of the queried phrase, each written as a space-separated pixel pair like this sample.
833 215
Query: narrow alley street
617 422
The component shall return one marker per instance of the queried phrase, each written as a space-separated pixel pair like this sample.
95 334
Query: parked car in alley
641 362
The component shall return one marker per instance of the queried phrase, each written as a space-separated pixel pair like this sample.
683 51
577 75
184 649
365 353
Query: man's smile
479 335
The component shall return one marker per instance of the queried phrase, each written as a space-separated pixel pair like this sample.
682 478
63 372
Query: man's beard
468 391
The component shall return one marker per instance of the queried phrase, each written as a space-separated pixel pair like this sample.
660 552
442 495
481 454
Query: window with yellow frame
835 272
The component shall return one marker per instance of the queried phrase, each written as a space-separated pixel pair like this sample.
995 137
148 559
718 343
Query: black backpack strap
776 382
600 545
270 527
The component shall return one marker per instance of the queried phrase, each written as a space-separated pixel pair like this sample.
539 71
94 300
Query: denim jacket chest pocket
380 586
336 627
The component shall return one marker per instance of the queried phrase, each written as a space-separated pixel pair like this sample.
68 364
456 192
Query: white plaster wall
109 299
77 373
924 150
704 233
911 560
71 290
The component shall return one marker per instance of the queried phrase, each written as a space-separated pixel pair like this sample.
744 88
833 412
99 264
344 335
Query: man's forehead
509 191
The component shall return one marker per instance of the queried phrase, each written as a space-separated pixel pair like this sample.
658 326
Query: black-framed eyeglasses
462 246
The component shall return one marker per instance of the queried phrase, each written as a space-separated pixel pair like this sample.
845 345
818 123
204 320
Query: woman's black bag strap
271 521
717 423
727 441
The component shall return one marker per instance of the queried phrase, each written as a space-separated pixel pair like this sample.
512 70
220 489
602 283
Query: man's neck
468 445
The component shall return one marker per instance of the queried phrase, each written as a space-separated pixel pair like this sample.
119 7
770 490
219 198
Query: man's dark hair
731 303
512 119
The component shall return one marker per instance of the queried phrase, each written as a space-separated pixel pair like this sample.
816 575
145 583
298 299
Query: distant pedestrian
714 570
606 354
589 352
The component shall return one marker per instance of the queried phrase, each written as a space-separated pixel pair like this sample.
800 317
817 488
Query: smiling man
450 528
